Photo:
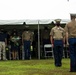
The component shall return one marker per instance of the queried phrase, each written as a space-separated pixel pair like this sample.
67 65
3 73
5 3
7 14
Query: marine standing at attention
57 38
27 39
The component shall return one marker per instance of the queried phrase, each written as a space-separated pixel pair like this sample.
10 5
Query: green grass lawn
34 67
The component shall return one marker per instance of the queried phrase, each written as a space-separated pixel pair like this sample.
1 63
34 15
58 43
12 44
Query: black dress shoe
72 71
58 65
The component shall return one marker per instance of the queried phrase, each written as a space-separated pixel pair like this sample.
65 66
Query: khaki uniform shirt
27 35
71 29
57 32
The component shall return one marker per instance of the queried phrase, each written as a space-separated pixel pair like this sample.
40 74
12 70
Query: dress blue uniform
57 35
27 38
70 28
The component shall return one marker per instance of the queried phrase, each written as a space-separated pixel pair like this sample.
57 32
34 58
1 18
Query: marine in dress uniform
57 37
27 39
70 29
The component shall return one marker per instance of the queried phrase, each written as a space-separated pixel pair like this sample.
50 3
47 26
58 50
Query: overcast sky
36 9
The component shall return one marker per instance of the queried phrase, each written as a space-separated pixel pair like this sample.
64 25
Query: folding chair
48 49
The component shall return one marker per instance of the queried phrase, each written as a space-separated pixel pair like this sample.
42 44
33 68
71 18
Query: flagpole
38 41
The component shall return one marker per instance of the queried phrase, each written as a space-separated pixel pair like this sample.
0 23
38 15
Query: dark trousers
72 47
27 49
58 52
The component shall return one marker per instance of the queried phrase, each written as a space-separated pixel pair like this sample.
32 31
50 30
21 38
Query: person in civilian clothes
70 29
14 45
57 37
27 39
8 44
3 44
